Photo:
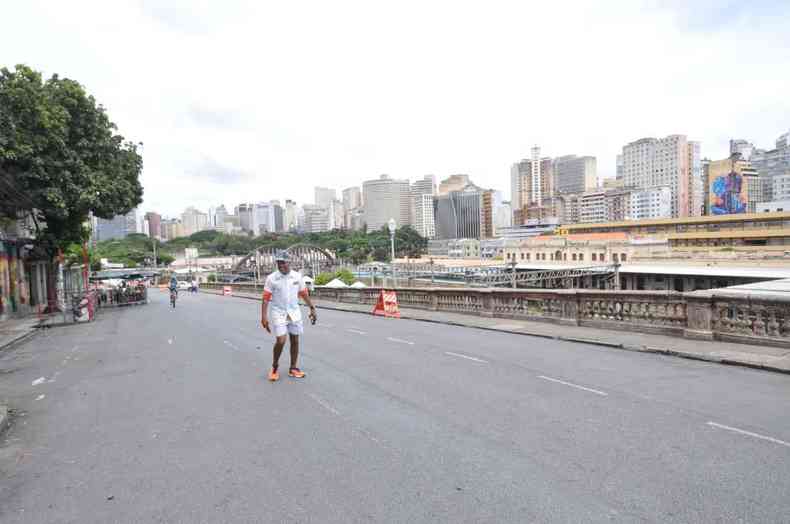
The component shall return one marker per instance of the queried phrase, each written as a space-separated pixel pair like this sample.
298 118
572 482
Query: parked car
182 284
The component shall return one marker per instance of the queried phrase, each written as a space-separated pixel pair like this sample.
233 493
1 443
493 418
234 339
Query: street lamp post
392 225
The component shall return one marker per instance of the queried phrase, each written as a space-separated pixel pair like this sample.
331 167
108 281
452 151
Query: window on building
622 257
594 257
615 258
527 256
522 256
581 256
574 257
602 257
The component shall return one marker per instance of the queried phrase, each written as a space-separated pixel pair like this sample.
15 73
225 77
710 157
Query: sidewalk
14 331
760 357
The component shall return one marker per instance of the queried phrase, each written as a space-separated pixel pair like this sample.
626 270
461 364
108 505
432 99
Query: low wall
709 315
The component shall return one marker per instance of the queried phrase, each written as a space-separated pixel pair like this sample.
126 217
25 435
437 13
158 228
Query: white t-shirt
282 292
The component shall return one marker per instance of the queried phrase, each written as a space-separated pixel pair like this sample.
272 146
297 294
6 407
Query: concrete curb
21 339
3 418
595 342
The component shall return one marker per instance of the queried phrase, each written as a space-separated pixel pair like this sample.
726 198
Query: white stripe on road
358 332
38 381
323 404
465 356
400 341
558 381
231 346
750 434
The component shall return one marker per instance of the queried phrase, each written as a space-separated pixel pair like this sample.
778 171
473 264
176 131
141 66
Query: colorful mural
728 194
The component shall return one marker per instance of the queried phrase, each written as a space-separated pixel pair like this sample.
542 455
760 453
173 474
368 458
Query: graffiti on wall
728 194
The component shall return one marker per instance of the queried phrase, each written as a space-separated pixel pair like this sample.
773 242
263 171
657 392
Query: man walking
280 313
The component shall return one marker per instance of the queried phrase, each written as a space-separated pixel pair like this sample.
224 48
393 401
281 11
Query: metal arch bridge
304 257
499 276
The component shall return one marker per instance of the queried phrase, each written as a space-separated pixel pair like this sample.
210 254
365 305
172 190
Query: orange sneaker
274 375
296 373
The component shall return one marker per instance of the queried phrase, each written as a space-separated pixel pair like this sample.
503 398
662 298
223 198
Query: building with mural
732 186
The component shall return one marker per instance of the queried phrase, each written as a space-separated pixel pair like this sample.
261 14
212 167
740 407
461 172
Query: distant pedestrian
194 285
281 315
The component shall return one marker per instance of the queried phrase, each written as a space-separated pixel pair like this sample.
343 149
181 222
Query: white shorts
291 327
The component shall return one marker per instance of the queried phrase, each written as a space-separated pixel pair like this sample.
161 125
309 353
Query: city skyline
452 98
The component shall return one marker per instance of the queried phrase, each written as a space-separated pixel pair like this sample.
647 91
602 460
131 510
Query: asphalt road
158 415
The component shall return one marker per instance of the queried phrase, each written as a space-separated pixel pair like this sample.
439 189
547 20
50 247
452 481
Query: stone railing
714 314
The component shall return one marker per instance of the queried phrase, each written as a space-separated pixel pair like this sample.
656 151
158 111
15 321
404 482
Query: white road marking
324 404
358 332
231 346
750 434
465 356
400 341
169 340
38 381
558 381
40 397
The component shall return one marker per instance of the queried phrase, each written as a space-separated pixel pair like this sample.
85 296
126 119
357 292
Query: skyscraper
464 214
536 182
193 221
352 198
453 183
154 225
116 227
386 198
653 162
290 216
316 218
424 186
324 196
575 174
422 209
245 213
771 163
742 147
525 177
695 192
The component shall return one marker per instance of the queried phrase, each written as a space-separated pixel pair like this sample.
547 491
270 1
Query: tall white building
386 198
696 200
503 213
537 177
336 215
262 215
424 186
316 218
352 198
324 196
531 181
653 162
424 221
193 221
290 221
649 203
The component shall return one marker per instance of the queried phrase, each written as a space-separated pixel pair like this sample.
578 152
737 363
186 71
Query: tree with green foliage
61 158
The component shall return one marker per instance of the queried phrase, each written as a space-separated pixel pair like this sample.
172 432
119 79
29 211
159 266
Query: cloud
220 119
209 170
240 101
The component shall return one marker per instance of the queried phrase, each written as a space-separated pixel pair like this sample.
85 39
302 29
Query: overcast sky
245 101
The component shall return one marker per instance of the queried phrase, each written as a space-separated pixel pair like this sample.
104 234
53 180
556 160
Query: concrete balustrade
708 315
